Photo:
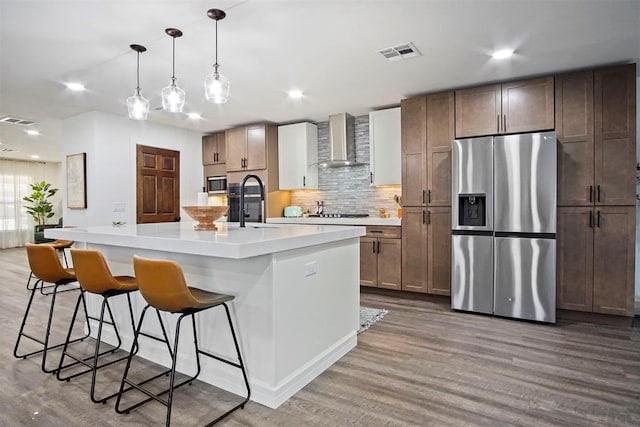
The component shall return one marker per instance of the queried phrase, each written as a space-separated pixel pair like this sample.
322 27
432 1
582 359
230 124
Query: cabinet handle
429 196
504 123
591 193
599 195
424 217
215 157
590 219
304 181
378 246
498 122
370 177
598 220
424 197
374 231
374 246
428 217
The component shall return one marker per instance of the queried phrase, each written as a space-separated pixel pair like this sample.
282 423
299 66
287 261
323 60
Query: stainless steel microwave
217 184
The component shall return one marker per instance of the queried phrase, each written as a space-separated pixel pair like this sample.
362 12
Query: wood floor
421 365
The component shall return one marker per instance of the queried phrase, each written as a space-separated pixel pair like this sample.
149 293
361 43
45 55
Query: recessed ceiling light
296 94
502 53
35 156
32 132
75 86
194 116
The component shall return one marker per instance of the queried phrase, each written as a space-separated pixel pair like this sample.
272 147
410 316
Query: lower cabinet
381 257
426 250
596 259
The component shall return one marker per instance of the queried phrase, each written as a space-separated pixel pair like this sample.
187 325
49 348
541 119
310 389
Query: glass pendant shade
138 106
173 98
216 88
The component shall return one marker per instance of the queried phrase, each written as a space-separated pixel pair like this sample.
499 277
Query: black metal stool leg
24 322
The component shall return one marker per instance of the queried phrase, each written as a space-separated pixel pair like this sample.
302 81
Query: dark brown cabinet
615 135
381 258
596 258
426 250
596 130
574 131
414 151
213 149
514 107
440 133
246 148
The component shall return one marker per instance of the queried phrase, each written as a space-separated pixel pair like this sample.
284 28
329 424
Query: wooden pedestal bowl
205 215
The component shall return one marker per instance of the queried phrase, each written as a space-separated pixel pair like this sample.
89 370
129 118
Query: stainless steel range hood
342 142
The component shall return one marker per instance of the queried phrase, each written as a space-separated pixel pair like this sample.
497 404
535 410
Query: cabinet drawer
384 231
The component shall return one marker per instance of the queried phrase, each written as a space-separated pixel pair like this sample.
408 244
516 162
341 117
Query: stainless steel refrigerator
504 225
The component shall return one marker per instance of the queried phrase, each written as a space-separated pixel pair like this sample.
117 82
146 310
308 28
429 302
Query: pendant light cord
138 76
173 76
216 45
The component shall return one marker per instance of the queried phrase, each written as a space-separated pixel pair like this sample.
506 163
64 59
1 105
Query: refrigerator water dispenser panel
472 210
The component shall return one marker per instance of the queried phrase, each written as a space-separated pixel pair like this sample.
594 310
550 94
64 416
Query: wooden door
614 260
389 263
527 106
574 261
615 135
414 151
157 185
236 148
478 111
440 133
368 262
256 157
574 130
439 250
414 249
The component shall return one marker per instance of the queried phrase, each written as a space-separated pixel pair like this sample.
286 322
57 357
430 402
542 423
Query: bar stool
163 286
95 277
46 267
59 246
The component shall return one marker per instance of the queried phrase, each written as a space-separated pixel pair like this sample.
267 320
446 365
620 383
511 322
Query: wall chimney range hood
342 142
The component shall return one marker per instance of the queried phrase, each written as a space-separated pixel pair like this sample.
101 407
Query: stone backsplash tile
347 189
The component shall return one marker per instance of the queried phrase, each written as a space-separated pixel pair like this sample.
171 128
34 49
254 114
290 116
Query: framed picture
77 181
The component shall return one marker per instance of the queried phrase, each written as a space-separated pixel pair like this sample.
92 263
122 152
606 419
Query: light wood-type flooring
421 365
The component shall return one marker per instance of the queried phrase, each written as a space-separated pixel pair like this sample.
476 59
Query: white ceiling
326 48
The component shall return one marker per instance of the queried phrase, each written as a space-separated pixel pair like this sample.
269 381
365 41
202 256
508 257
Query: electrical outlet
310 268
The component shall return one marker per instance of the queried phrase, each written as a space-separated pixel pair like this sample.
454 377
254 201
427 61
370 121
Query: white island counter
296 288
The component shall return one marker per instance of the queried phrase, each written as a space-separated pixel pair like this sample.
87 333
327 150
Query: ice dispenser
472 210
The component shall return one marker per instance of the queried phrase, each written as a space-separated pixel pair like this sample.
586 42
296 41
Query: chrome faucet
242 185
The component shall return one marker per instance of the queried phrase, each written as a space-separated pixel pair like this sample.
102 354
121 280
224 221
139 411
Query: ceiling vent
16 121
7 150
399 52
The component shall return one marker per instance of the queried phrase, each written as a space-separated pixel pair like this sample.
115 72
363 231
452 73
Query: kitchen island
296 289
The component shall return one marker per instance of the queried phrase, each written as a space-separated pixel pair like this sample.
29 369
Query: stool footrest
221 359
83 361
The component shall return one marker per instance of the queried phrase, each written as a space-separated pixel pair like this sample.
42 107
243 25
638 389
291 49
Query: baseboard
596 318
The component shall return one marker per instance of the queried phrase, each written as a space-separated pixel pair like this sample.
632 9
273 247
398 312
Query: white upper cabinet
298 156
385 146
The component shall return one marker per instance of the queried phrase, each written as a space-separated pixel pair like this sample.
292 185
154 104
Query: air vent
16 121
6 150
399 52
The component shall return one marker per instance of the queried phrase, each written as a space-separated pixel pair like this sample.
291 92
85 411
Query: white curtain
16 226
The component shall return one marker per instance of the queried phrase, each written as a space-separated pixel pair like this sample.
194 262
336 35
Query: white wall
110 143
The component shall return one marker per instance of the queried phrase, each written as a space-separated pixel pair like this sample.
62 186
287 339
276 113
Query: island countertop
229 241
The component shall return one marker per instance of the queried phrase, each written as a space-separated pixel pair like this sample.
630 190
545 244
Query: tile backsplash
347 189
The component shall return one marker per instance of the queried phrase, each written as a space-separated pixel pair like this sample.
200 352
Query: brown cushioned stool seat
95 277
59 246
163 286
46 267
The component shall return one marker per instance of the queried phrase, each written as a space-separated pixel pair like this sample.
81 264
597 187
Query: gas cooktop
340 215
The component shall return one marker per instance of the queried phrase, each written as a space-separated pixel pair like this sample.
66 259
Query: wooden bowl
205 215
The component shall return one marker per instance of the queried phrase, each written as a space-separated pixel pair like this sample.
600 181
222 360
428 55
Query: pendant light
172 96
216 86
138 105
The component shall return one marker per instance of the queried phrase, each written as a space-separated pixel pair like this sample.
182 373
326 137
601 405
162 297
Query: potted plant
39 207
